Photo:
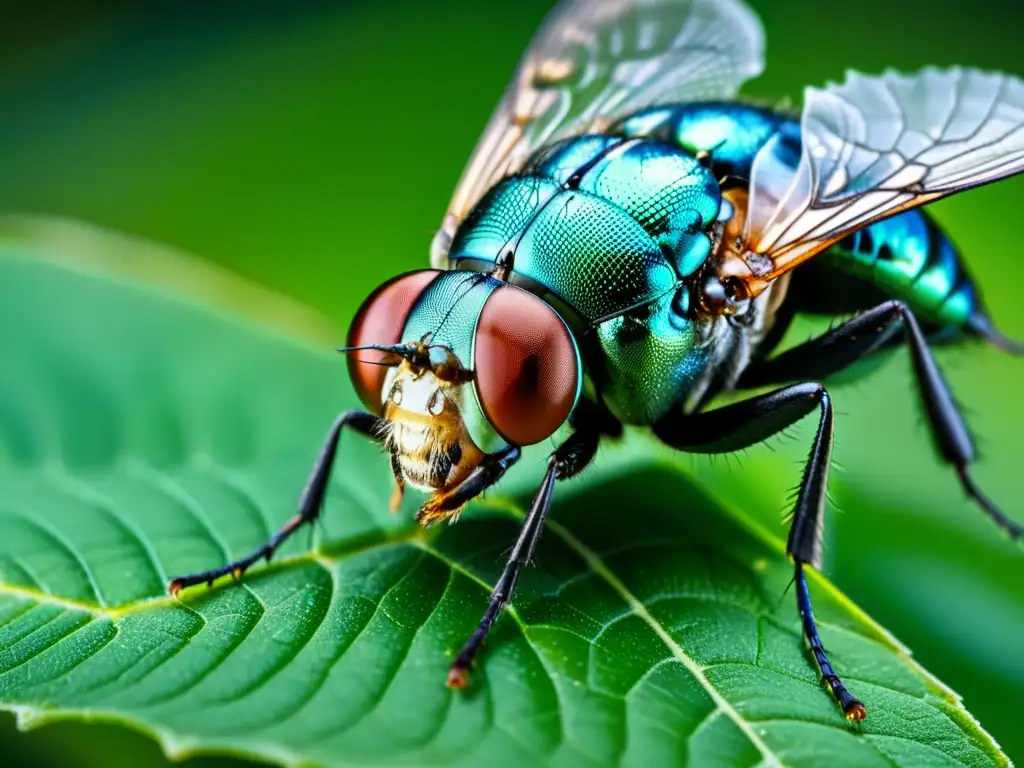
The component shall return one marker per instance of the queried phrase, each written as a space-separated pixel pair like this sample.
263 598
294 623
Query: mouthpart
425 433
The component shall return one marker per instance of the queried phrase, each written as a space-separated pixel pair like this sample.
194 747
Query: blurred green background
313 148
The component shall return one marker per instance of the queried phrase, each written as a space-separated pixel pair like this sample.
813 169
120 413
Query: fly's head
488 366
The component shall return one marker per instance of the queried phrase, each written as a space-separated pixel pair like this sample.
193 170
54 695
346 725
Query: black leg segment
830 353
852 708
568 459
310 502
445 506
747 422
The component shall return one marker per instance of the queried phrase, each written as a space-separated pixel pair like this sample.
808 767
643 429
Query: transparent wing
594 61
875 146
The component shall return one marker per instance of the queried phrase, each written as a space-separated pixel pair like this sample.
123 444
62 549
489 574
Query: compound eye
526 366
381 320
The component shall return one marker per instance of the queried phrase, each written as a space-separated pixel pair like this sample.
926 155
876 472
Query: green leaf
145 434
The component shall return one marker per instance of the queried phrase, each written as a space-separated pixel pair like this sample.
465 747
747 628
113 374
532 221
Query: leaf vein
597 565
42 525
173 490
232 646
77 488
61 639
293 653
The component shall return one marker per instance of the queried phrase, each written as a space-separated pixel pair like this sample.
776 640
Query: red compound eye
380 320
525 365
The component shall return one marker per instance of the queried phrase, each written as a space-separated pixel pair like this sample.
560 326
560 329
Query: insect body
628 241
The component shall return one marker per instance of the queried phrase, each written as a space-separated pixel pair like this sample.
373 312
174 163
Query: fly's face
460 366
425 431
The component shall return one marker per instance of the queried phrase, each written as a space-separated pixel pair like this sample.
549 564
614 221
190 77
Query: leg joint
815 390
897 307
572 456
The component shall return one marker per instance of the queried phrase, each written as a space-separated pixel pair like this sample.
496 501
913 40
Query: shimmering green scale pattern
909 258
671 194
651 358
563 159
602 223
496 223
593 255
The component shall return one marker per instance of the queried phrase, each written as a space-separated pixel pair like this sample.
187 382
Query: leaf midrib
383 540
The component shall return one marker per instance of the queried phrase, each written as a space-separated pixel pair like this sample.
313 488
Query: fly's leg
830 353
446 505
591 421
529 535
311 502
589 417
568 459
740 425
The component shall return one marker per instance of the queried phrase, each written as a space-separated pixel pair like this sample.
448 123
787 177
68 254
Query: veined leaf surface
143 435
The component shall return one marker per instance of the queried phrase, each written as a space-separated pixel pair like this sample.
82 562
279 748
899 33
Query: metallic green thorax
730 134
606 229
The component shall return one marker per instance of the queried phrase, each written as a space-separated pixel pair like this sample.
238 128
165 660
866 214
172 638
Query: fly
630 240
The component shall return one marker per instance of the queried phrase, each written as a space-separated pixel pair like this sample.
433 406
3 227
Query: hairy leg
311 503
747 422
841 347
591 422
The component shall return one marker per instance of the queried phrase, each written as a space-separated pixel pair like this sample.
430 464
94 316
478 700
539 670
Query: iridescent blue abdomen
908 257
606 229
